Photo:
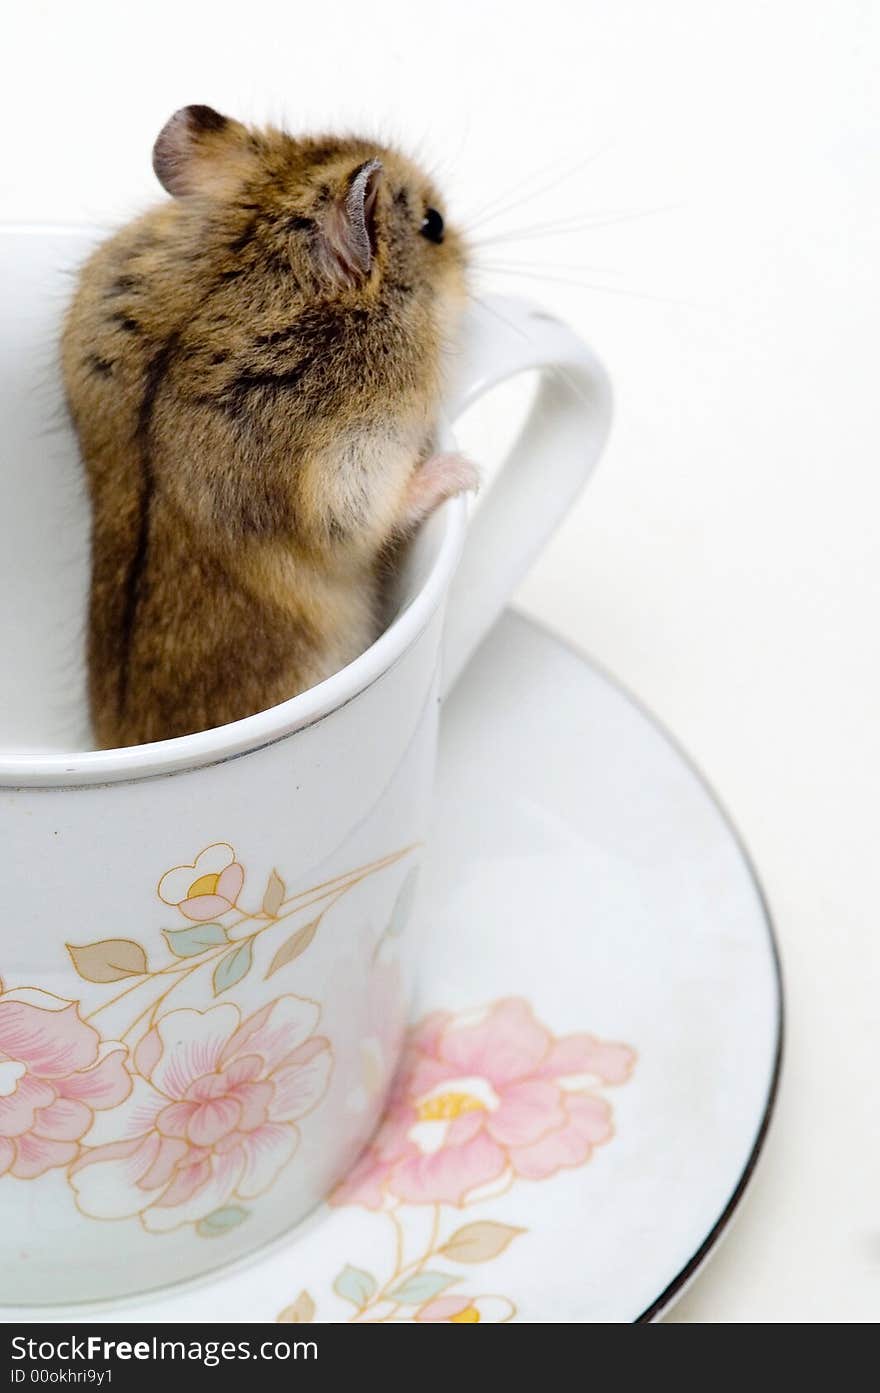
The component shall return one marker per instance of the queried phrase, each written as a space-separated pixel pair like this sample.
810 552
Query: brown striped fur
253 369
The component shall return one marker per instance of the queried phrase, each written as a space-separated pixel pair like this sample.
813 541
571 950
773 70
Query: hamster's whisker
486 209
556 369
593 285
491 211
564 171
490 309
446 163
579 224
552 266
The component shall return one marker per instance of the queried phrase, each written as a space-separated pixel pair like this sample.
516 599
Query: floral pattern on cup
206 889
181 1115
482 1100
211 1118
56 1075
385 1010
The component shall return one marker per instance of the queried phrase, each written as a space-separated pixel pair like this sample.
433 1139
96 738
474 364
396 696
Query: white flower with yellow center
206 888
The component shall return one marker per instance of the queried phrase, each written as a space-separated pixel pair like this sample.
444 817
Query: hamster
253 370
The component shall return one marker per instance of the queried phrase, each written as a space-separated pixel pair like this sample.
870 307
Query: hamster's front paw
438 478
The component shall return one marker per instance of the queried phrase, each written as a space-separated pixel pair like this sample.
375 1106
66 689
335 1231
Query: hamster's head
333 223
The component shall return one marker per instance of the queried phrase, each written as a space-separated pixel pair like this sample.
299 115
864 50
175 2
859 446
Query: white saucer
582 879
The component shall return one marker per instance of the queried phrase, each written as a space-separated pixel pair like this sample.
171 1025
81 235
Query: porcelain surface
596 1040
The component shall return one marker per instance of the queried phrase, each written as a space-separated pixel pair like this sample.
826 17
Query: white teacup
206 956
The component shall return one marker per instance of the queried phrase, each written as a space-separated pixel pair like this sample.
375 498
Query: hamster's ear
349 225
200 151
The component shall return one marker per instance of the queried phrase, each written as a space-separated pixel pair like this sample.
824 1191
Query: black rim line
710 1242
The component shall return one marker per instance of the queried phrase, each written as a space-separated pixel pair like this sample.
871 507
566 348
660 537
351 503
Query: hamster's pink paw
440 477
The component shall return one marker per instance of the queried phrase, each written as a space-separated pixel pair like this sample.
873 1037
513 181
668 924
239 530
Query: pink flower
385 1009
467 1310
208 887
478 1101
211 1116
55 1072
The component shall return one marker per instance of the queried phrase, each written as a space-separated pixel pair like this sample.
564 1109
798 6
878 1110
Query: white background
724 563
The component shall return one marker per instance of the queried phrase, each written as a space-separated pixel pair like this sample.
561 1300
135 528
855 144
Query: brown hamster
253 370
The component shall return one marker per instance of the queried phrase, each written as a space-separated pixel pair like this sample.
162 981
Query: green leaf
403 904
274 896
190 942
221 1221
293 947
233 966
355 1285
421 1287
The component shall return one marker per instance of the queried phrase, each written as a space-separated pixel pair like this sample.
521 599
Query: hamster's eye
432 226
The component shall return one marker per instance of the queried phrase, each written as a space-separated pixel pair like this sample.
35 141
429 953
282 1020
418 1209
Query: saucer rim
677 1286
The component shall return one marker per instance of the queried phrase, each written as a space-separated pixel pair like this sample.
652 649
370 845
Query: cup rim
236 738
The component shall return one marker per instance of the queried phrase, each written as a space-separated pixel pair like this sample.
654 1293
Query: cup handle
545 470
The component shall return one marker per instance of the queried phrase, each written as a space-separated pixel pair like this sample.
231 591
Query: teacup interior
44 515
